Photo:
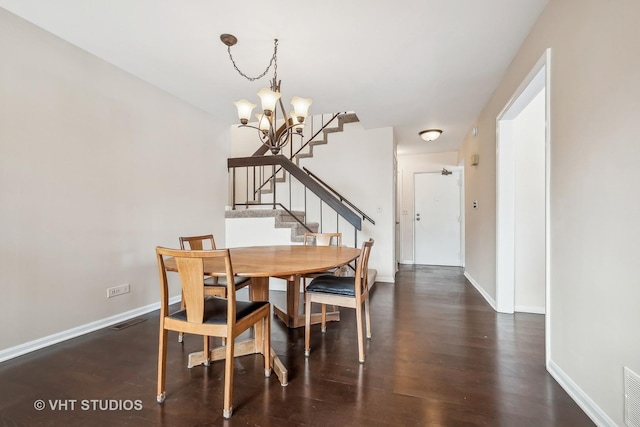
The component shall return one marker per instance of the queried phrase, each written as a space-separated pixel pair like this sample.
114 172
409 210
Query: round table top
284 260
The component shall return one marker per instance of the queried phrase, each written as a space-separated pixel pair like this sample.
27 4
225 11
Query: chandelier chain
274 62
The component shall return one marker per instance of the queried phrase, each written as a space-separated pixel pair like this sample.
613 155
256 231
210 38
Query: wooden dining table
260 263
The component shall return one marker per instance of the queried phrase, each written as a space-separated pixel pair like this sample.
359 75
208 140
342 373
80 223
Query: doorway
437 218
522 202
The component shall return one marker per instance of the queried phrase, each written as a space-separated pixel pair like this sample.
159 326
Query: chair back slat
191 271
323 239
362 269
190 266
197 243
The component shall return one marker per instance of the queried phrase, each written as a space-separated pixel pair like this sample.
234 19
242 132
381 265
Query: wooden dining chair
321 239
351 292
213 286
209 316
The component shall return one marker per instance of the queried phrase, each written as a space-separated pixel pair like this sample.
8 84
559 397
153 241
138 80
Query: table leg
292 317
258 291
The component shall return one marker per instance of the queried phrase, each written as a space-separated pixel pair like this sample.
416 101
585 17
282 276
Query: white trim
505 217
547 202
529 309
407 261
56 338
484 293
533 82
593 411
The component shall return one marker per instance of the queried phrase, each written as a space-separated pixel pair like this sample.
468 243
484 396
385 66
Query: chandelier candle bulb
263 123
296 122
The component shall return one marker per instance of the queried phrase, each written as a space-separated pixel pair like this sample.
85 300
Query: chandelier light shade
273 131
301 107
245 108
269 98
430 134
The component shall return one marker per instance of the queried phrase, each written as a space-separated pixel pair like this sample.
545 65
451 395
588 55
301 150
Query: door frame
538 78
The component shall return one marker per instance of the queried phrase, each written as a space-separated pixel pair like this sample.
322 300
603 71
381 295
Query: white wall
529 139
408 166
96 169
594 210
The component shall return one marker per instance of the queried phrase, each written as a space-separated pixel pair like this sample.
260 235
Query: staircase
276 186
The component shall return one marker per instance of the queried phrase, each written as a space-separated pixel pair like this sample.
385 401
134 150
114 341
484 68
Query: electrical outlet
117 290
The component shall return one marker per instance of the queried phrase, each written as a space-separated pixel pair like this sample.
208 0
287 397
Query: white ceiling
409 64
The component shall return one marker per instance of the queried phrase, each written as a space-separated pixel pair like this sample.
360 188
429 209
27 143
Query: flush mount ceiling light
274 132
430 134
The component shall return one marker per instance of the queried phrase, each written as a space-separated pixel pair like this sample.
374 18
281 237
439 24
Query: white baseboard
589 407
39 343
484 293
529 309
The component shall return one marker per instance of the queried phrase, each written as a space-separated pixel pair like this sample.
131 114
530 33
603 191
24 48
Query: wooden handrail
310 183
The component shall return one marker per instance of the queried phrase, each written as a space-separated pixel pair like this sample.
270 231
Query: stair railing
327 197
340 196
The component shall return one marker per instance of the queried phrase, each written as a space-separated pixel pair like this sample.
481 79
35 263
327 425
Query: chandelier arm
274 61
250 126
286 128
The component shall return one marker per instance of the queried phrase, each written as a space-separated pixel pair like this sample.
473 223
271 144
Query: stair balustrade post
273 185
233 195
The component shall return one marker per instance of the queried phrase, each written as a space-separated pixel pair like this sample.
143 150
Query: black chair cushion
321 273
215 310
222 281
336 285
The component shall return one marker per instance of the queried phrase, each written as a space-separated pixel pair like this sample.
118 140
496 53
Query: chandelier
273 131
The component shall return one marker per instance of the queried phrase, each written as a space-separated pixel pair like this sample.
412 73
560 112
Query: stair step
282 219
342 119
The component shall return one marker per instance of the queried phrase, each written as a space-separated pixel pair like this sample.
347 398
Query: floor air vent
126 324
631 398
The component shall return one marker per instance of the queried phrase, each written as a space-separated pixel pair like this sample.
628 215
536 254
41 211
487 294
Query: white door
437 219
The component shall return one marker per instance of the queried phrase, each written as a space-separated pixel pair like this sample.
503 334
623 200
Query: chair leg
367 315
307 325
180 334
360 334
266 344
205 345
324 318
162 364
227 406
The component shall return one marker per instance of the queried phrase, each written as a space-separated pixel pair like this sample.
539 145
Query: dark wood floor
440 356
